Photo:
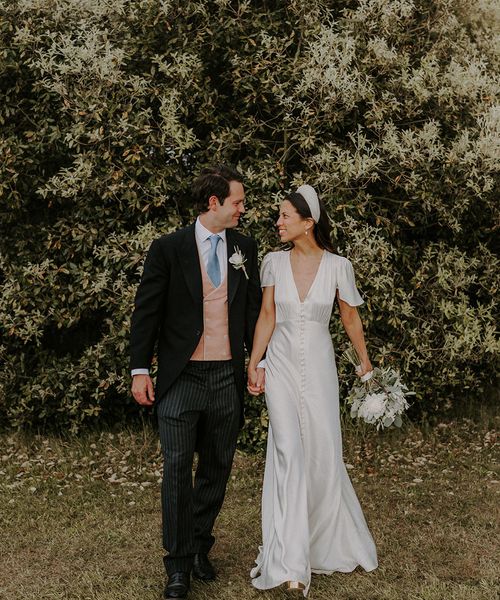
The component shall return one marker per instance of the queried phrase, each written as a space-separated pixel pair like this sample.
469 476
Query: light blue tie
213 267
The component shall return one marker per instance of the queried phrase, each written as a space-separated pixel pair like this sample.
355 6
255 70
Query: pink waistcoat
214 343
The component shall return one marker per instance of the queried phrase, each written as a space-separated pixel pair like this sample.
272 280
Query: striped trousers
199 413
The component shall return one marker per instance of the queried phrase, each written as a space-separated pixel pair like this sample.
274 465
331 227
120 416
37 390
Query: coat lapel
233 275
190 261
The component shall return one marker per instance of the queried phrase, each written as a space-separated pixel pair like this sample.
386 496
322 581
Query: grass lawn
80 518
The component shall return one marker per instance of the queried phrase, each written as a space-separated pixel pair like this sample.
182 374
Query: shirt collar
202 233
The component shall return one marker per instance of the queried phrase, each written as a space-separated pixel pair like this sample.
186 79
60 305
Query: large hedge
389 107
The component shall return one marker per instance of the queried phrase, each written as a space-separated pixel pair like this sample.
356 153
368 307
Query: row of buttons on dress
302 364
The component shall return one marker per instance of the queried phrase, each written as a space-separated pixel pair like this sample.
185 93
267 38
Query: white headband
311 197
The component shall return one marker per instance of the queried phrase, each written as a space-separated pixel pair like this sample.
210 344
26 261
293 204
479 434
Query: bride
311 518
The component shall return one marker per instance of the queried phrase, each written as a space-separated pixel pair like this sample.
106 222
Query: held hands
142 390
256 381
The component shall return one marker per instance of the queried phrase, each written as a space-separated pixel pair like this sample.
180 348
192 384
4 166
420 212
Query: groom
201 309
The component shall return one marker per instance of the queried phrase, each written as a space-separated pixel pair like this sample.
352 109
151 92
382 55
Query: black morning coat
169 306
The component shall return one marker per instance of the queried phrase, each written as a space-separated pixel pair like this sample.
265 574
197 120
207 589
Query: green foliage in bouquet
388 107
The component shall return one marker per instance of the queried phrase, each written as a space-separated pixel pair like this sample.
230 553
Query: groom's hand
256 381
261 379
143 390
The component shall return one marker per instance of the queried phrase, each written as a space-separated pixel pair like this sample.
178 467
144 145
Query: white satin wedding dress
311 517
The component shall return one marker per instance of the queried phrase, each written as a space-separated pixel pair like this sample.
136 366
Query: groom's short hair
213 181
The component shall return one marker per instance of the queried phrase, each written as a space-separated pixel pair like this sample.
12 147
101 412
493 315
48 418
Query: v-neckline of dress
313 281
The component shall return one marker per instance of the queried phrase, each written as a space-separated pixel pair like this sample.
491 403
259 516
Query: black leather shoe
202 567
177 585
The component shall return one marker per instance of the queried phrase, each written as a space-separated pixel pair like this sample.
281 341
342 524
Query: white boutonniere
238 260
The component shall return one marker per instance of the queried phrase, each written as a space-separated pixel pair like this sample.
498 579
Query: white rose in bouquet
373 407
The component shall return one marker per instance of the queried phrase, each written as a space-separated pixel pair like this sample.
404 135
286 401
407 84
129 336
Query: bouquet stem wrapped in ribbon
380 396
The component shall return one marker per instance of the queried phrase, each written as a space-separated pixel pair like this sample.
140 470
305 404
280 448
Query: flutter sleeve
267 277
346 284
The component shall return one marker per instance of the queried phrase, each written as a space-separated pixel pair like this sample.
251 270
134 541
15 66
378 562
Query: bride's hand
256 381
261 379
364 368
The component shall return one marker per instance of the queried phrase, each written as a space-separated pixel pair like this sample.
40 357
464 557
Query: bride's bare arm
265 326
354 329
263 332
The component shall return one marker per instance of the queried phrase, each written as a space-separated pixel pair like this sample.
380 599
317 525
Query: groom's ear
213 202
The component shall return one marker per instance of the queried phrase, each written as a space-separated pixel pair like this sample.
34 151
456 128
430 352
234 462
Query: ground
80 517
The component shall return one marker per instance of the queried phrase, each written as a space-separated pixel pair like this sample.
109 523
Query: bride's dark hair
322 229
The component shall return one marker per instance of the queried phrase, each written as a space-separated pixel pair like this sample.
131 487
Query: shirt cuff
140 372
262 364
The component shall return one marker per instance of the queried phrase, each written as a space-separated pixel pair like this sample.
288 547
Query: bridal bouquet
380 397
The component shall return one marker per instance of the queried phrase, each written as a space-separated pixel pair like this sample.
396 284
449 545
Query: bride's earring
307 231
